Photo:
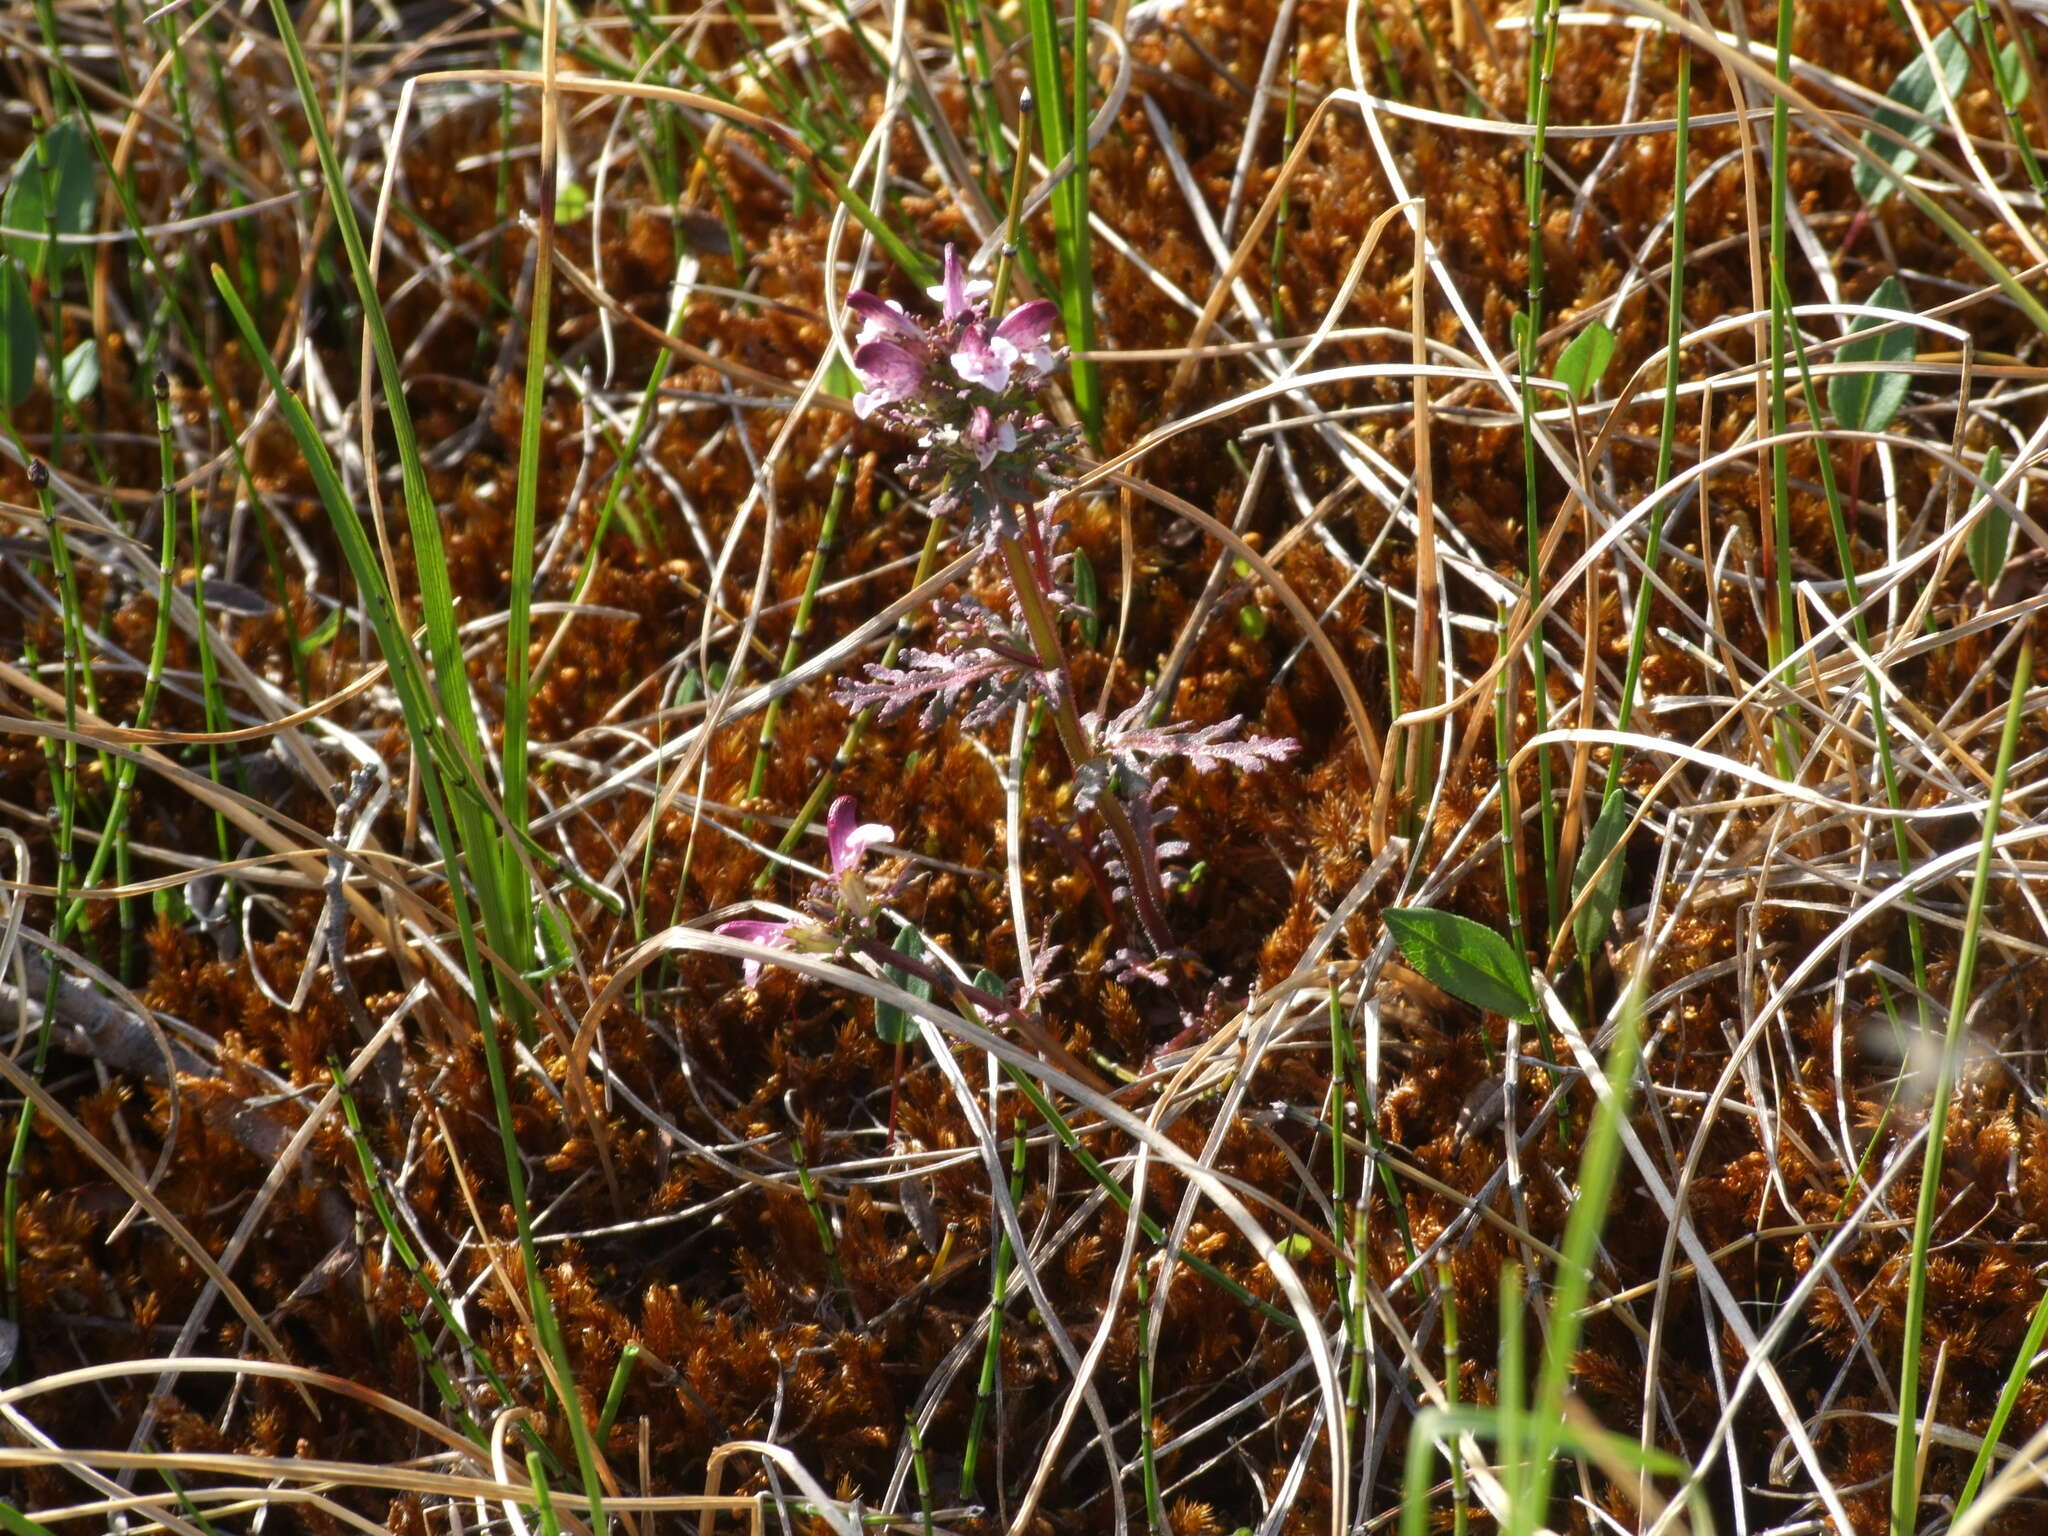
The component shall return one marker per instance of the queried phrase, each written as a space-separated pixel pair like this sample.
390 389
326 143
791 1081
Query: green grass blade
430 559
1060 134
1599 1166
1906 1445
2008 1399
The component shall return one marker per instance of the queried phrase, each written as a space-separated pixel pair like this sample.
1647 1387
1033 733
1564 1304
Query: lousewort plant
964 385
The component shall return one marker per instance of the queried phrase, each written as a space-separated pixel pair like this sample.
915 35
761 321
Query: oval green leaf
1088 597
893 1024
80 371
51 188
1867 402
1918 113
18 340
1581 364
1991 537
1590 926
1467 959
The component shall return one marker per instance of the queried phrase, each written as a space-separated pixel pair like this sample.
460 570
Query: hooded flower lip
1026 329
891 372
881 318
991 355
956 294
848 839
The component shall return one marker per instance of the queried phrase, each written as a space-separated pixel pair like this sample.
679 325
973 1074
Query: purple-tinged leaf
1139 744
977 675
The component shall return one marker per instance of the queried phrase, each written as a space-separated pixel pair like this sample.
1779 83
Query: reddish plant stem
1146 895
1029 1025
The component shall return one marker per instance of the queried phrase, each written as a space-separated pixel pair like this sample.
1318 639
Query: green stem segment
800 627
1906 1446
1781 628
64 792
1542 60
1667 428
1880 726
992 1352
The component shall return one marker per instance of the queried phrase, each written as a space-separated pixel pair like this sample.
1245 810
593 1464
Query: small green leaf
1088 593
322 636
558 953
571 203
893 1024
986 980
1251 622
1867 402
841 380
1295 1247
2011 73
1991 538
18 340
21 211
1918 94
1467 959
1590 926
80 371
39 198
1582 363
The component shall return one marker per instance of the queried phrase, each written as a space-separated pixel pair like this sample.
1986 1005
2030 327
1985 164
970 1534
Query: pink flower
990 356
880 318
987 436
956 294
847 841
1025 331
980 360
891 372
754 931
